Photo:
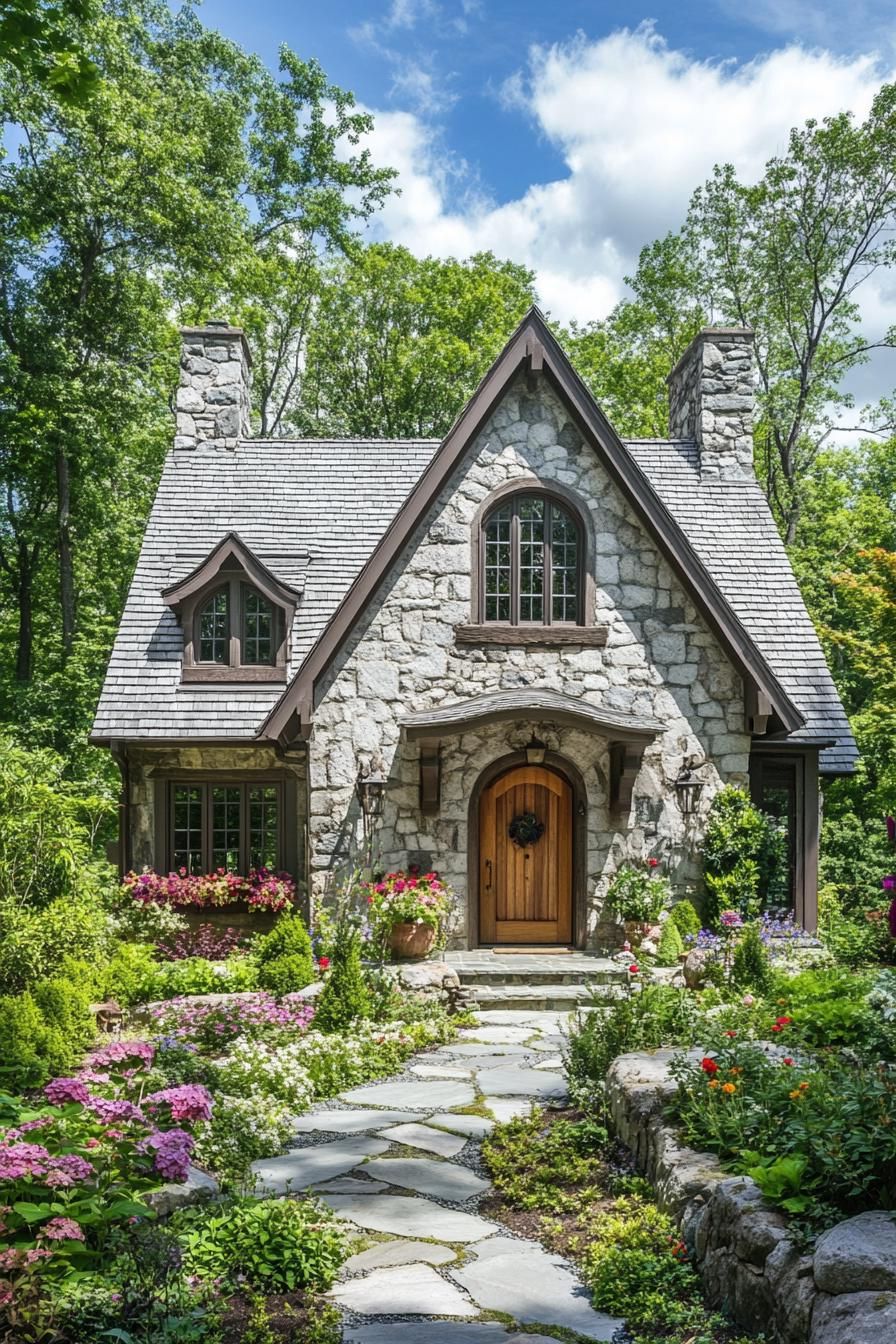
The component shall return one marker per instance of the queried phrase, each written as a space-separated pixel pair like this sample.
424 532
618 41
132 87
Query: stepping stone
440 1071
442 1180
404 1290
348 1122
492 1061
421 1136
533 1287
398 1253
405 1216
348 1185
476 1126
472 1048
496 1035
552 1062
504 1109
422 1096
517 1082
302 1167
510 1017
430 1332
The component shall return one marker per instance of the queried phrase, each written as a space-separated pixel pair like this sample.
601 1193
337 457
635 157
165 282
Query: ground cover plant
559 1177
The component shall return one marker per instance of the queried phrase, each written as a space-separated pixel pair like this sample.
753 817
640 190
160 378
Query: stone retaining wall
844 1293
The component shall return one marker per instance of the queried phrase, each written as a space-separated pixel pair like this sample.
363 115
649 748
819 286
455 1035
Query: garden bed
842 1293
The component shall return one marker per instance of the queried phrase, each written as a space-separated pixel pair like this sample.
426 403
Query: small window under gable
531 563
236 617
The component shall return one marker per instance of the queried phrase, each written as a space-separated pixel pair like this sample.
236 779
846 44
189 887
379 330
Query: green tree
162 194
395 345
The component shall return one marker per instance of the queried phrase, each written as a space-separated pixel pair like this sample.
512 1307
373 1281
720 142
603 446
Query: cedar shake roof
314 511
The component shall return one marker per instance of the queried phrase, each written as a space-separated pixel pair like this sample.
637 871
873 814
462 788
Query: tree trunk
25 598
64 546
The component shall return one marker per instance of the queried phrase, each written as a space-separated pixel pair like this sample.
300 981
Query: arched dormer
532 577
236 617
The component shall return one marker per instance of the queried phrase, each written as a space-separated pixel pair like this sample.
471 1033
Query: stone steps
548 998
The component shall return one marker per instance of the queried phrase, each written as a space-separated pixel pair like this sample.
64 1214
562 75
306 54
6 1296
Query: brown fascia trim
534 342
135 743
232 545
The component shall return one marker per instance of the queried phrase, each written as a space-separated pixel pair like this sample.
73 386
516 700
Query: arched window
531 563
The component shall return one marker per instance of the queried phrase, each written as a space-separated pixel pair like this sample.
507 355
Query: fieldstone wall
660 659
146 764
842 1293
711 400
212 403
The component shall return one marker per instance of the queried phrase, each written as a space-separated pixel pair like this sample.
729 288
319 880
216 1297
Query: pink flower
633 970
748 1000
187 1103
62 1229
730 919
61 1090
172 1148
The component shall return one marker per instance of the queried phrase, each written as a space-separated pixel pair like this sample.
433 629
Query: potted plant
639 895
408 912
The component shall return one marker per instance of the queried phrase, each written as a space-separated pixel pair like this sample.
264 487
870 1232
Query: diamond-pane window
531 563
214 629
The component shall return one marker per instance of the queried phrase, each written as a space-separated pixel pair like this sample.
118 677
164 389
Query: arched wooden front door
525 890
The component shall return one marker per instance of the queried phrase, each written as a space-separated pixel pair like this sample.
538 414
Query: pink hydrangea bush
209 1025
261 889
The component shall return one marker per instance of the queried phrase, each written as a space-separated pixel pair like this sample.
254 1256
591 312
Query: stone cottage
351 652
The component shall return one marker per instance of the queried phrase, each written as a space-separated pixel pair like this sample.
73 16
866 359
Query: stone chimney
711 400
212 402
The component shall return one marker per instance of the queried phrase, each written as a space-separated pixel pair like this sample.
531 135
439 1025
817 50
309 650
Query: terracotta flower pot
636 932
411 940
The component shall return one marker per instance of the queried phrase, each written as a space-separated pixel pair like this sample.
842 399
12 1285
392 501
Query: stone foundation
844 1293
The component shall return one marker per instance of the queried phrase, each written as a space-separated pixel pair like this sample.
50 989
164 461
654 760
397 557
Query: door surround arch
567 771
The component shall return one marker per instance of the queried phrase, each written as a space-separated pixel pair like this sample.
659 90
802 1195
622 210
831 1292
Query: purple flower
889 883
172 1148
62 1229
120 1052
61 1090
730 919
187 1103
891 830
109 1111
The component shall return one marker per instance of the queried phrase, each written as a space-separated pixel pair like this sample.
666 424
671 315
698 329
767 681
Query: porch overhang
526 704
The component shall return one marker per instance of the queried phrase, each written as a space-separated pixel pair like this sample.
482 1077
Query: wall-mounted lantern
688 789
535 751
371 791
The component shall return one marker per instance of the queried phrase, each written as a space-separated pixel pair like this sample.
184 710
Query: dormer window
236 617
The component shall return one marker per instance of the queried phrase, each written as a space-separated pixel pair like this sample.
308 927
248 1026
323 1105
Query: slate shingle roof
313 511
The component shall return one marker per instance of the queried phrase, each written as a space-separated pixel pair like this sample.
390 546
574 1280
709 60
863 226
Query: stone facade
660 659
711 400
212 403
843 1293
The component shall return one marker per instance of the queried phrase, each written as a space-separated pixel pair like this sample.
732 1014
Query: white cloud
638 125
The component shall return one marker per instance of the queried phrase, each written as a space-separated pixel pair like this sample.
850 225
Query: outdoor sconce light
371 791
535 751
688 789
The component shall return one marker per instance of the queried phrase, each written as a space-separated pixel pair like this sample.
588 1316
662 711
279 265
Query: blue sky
566 134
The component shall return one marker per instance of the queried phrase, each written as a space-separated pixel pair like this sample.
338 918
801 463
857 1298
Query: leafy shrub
658 1015
344 998
831 1007
146 921
208 941
64 1004
284 957
685 918
31 1049
750 967
195 975
534 1163
743 856
670 946
130 975
636 1264
34 943
853 939
276 1244
638 894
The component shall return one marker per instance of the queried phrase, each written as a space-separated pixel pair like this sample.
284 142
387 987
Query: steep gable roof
231 547
533 345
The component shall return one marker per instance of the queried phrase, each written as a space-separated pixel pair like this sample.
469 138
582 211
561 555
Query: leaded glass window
531 563
263 818
258 628
226 809
186 807
214 629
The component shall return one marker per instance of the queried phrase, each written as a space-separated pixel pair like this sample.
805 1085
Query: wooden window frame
285 787
512 497
235 583
804 767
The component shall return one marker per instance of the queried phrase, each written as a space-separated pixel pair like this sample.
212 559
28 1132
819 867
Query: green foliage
743 853
284 957
657 1015
546 1166
34 944
685 918
750 966
852 940
34 1047
242 1130
670 946
638 894
276 1244
779 1178
345 998
130 975
197 975
45 44
634 1266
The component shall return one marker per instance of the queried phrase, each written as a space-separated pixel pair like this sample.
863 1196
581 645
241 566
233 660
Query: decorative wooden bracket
758 710
625 762
535 351
430 775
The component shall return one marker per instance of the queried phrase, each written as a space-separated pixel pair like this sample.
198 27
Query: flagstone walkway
400 1162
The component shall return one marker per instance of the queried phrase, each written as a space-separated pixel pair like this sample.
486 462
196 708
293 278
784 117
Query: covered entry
526 857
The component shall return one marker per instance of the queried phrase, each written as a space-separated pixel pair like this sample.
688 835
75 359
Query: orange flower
804 1087
735 1071
729 1088
713 1082
796 1095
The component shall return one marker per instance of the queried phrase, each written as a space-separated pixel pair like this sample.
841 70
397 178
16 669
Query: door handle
488 864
